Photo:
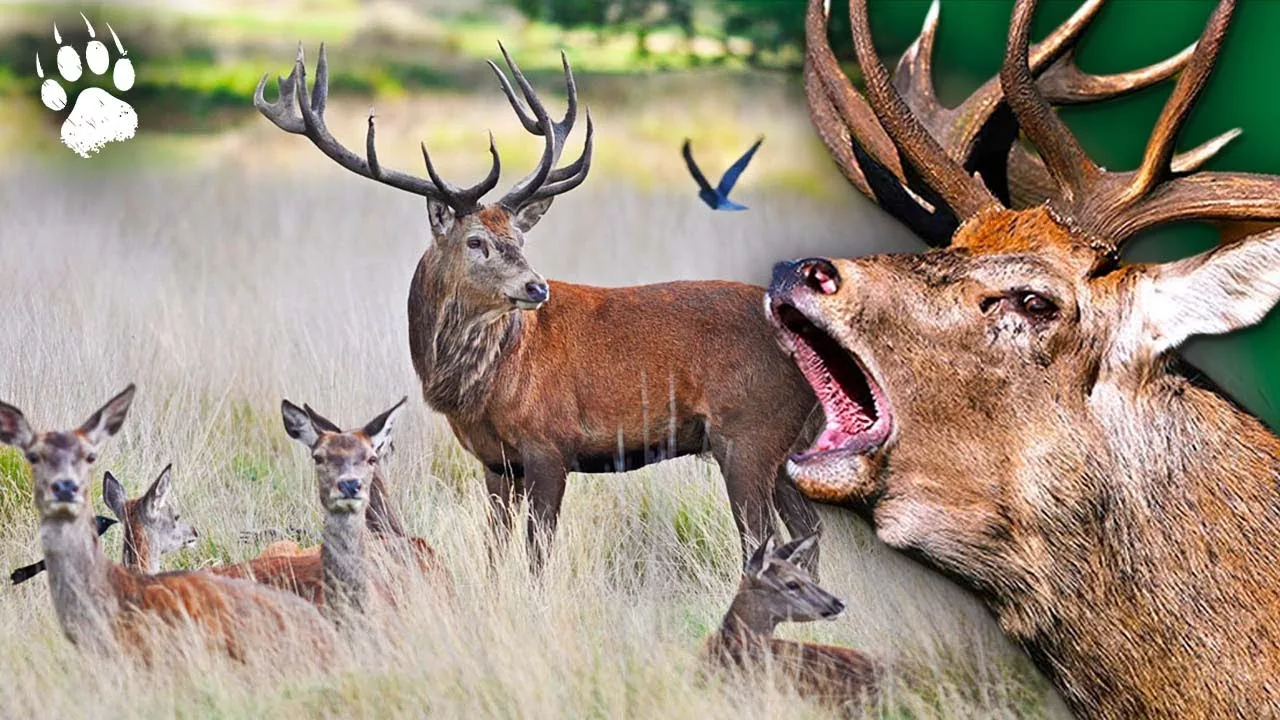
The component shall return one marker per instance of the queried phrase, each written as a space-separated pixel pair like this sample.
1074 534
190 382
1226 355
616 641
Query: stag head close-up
477 253
1011 406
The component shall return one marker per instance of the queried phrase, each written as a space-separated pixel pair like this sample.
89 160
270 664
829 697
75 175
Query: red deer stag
606 379
598 380
106 608
1011 409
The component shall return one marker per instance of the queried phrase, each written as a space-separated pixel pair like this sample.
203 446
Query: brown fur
645 373
1119 516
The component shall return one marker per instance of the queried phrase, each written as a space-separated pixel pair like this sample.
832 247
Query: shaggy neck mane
456 349
1175 549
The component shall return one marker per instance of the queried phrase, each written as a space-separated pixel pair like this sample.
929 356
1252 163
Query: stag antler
543 182
1113 206
978 135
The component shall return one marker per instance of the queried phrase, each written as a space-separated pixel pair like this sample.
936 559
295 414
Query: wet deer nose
350 489
537 291
817 274
65 490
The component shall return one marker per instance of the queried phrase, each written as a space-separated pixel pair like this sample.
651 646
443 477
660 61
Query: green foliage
15 483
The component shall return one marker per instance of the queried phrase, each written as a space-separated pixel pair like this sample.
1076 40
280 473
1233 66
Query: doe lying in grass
108 609
776 588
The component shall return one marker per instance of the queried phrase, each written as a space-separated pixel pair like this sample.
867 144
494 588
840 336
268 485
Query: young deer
348 467
1012 410
105 608
152 524
775 588
597 380
361 526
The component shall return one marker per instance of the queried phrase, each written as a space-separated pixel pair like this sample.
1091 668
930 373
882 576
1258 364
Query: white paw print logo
97 117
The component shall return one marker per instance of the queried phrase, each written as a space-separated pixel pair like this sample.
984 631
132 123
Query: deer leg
544 480
798 514
749 482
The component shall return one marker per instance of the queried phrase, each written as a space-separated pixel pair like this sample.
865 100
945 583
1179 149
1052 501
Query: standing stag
1011 408
596 380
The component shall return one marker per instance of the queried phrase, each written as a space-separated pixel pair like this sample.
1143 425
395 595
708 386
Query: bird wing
698 177
731 175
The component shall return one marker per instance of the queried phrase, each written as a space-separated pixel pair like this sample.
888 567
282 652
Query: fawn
775 587
152 524
106 608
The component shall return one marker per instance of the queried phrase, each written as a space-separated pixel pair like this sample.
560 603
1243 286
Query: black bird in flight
24 574
717 198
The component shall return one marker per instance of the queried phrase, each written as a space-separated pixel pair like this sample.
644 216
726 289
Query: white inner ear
1216 292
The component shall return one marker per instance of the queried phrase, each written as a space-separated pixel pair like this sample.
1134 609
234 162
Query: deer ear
379 428
113 494
1224 289
107 421
298 424
158 494
441 216
530 213
758 558
797 552
14 429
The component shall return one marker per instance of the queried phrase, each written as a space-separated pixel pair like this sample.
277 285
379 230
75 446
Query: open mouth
858 415
526 304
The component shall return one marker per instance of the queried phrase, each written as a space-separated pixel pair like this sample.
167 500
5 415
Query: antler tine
1159 153
1193 159
838 111
572 175
1071 168
545 180
281 112
464 199
1064 83
914 75
964 194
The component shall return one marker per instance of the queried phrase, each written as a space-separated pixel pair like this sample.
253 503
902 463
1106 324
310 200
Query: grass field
264 273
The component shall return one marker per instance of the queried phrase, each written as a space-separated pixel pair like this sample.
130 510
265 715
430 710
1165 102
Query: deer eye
1035 305
793 586
373 459
91 457
33 458
317 458
474 243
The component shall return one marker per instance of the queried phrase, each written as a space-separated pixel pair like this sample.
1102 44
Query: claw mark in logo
98 117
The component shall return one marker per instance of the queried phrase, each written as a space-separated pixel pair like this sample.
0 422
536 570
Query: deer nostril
537 291
349 488
820 275
65 490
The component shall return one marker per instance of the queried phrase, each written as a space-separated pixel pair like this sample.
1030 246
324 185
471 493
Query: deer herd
1008 408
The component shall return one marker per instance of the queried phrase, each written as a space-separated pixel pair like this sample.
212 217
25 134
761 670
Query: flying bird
24 574
717 198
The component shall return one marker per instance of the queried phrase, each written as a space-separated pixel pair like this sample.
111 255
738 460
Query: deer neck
1165 552
381 516
137 553
748 616
456 349
80 582
345 567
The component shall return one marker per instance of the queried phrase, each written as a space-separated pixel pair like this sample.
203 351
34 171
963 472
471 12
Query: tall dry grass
220 291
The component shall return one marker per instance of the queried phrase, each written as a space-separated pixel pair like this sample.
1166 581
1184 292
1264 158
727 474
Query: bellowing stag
1011 409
